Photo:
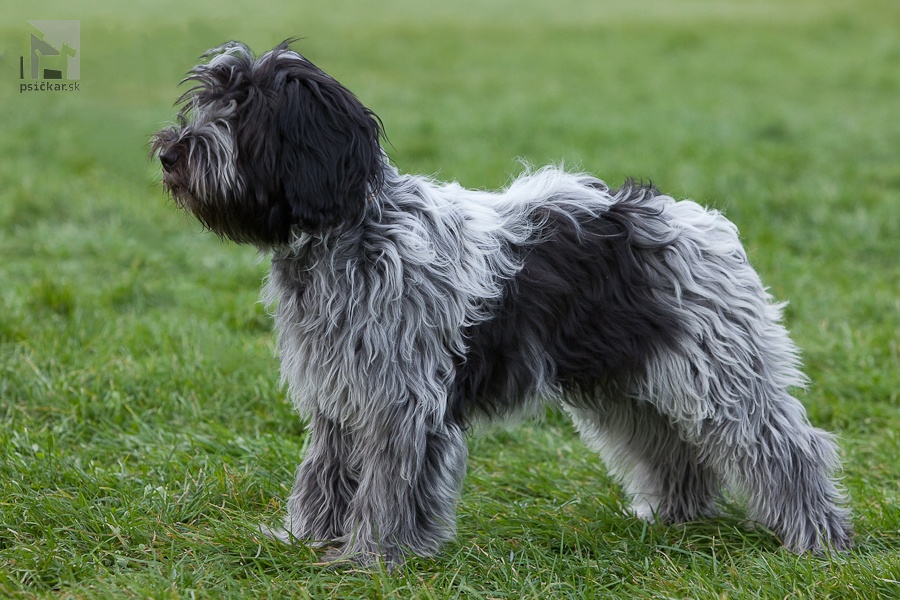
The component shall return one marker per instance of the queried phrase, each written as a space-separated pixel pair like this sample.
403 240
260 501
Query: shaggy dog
406 309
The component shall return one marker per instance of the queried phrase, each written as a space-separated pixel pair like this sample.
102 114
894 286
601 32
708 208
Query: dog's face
267 146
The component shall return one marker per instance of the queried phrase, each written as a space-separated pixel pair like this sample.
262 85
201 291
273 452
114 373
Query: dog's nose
168 158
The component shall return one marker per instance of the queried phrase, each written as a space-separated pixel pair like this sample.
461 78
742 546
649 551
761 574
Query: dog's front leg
324 486
409 481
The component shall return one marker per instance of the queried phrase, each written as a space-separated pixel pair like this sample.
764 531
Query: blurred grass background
142 432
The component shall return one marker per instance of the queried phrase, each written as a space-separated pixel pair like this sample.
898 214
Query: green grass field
143 434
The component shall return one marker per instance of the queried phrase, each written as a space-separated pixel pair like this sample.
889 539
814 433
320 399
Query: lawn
143 433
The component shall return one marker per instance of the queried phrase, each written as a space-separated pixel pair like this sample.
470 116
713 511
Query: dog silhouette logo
54 52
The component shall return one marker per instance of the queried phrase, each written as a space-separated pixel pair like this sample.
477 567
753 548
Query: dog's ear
330 159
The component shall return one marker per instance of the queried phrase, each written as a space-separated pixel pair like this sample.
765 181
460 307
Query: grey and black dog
407 309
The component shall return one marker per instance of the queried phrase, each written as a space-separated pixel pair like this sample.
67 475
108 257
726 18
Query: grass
142 431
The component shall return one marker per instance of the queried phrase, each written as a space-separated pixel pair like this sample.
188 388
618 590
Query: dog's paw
278 534
643 510
342 557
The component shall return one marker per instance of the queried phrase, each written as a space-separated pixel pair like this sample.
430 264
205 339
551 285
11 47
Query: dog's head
268 145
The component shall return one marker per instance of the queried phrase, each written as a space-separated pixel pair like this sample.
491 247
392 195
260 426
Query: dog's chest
359 333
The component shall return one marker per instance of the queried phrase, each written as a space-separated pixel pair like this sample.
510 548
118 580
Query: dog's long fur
406 309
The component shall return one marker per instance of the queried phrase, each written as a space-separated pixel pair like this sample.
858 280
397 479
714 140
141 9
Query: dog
407 309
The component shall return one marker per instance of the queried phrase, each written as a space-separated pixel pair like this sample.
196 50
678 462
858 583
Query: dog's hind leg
727 391
661 473
784 468
724 382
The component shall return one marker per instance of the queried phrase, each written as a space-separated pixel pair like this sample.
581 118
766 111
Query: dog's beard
203 180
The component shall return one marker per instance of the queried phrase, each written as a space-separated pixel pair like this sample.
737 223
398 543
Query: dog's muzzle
169 158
